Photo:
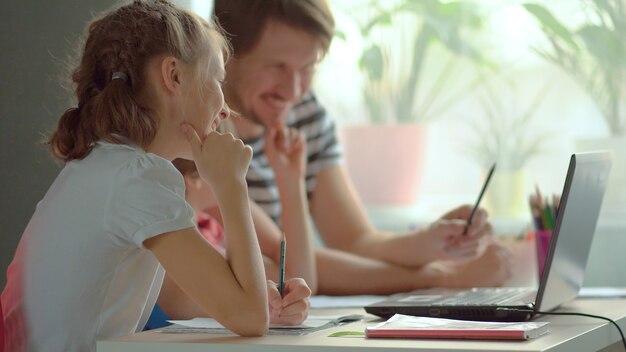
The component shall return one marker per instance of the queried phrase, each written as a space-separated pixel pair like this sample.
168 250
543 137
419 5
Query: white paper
358 301
313 321
602 292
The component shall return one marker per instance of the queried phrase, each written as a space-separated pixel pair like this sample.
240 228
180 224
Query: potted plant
510 138
400 95
594 54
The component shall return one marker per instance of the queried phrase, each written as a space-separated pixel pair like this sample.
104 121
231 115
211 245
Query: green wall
37 38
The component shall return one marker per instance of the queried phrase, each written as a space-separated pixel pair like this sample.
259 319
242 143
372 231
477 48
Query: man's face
264 83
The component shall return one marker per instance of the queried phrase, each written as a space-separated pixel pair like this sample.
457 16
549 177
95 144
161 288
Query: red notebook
405 326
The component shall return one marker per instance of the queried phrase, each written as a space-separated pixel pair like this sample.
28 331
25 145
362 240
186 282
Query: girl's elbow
253 325
253 331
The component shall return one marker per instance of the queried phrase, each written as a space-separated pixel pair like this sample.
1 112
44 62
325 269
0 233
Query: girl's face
205 108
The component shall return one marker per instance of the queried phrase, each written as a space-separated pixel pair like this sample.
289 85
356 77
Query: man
277 44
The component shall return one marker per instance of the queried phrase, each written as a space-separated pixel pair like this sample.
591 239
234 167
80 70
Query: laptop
563 271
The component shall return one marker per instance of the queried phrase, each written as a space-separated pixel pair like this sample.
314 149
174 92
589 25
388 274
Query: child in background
290 309
91 261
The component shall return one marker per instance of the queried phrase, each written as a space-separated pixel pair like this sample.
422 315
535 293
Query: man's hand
285 149
491 269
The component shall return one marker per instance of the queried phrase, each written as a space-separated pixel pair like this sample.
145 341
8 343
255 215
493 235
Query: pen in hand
281 266
480 196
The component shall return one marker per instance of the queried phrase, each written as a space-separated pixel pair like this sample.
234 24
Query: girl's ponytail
108 115
67 137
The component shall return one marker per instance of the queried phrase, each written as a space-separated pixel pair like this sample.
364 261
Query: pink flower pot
385 162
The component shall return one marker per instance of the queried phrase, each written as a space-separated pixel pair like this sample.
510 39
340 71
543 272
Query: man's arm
340 216
343 273
286 152
342 223
338 213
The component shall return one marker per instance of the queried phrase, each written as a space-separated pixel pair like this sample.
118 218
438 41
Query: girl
286 150
91 260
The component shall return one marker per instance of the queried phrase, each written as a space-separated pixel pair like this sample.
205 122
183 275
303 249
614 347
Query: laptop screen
575 225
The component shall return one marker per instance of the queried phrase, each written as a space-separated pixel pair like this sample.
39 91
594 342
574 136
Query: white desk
566 334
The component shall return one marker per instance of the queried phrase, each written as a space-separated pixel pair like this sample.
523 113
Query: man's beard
236 106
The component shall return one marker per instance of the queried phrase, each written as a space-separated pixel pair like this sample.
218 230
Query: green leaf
604 45
372 62
603 5
347 334
419 6
439 22
551 24
384 19
340 35
447 21
374 105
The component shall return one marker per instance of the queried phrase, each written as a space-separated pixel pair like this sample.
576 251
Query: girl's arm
232 291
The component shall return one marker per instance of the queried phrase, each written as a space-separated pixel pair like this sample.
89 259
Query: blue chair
158 319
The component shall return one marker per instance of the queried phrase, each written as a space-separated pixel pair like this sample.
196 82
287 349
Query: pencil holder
542 241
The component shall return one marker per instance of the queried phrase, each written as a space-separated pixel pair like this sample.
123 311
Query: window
530 112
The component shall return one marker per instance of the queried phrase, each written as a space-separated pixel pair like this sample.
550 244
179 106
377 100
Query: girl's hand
293 307
285 149
219 158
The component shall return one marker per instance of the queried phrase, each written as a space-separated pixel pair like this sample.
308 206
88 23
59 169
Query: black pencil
480 196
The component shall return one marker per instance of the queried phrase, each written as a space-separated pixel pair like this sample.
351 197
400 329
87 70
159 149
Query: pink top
212 231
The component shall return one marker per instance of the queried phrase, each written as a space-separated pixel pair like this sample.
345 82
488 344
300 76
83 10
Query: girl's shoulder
126 164
130 156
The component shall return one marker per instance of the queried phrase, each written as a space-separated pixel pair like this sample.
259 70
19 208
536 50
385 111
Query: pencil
480 196
281 266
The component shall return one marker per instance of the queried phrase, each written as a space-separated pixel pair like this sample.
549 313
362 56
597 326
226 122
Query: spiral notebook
406 326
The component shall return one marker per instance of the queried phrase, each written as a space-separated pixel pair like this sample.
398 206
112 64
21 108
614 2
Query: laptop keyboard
491 296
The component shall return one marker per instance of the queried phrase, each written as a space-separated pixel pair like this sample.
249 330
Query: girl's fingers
296 308
273 296
296 289
293 308
295 319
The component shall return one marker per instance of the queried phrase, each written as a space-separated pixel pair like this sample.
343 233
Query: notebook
564 268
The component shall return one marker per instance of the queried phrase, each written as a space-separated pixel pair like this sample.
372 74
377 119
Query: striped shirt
323 150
